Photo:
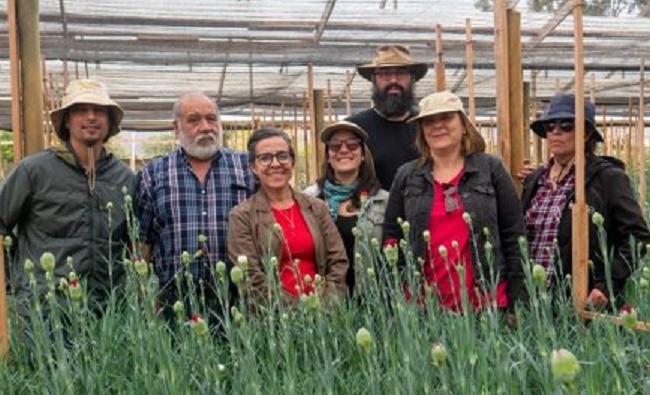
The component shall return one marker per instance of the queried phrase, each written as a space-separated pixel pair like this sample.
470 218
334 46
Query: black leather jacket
608 192
488 194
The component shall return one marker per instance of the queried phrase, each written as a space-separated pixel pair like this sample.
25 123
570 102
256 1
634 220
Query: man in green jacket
70 201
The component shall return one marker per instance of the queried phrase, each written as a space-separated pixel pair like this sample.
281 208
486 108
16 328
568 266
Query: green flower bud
199 325
438 354
202 238
47 262
7 242
564 366
598 220
539 275
185 258
109 206
237 275
141 267
179 308
242 261
364 339
220 268
74 290
29 266
467 218
442 250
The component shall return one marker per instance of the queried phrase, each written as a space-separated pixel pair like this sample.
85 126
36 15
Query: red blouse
298 255
446 226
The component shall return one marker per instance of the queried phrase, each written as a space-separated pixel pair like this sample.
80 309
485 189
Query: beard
203 146
391 104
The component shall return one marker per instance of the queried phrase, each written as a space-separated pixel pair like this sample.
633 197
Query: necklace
287 217
560 174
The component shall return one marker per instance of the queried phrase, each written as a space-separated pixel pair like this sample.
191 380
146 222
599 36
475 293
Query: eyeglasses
451 204
283 157
565 125
335 145
386 74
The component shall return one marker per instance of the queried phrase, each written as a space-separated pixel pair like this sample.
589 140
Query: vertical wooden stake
305 135
329 101
348 98
502 80
469 59
640 139
579 231
515 93
296 142
440 67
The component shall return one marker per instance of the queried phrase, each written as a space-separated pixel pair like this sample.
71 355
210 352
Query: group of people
205 203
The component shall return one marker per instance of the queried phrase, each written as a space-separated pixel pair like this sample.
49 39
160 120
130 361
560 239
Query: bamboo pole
329 101
469 59
31 78
640 141
294 136
606 133
348 95
305 136
628 143
501 58
526 121
440 66
282 109
318 123
580 235
14 66
4 334
537 141
313 131
515 93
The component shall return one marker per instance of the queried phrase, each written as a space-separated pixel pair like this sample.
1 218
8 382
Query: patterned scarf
337 194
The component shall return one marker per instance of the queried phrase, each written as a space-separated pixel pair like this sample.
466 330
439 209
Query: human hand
525 171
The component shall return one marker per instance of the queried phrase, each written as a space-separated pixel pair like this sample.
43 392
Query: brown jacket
251 233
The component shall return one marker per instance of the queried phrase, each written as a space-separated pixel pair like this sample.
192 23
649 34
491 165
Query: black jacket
608 192
488 194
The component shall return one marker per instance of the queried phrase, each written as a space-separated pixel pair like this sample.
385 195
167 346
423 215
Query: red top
298 258
441 274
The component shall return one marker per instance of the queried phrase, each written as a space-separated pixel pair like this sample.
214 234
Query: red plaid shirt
543 217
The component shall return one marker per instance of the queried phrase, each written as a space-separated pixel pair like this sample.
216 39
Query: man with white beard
183 201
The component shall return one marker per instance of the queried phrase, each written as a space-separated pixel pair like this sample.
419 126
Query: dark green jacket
48 204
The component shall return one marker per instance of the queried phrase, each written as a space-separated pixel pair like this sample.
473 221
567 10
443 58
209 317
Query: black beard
390 104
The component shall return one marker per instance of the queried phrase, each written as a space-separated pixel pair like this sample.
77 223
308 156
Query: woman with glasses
466 204
278 224
550 190
352 191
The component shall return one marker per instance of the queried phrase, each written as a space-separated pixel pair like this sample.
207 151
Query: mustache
391 86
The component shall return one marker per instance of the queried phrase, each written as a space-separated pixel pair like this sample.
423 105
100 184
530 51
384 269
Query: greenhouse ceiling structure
257 52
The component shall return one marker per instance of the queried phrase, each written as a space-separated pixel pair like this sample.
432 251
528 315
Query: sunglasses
451 204
352 144
564 125
283 158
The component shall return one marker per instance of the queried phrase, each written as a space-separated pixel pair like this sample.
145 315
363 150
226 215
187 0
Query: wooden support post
305 135
282 109
640 139
515 93
329 101
630 128
592 91
440 66
502 79
607 136
14 66
296 143
537 141
469 59
348 99
526 120
580 230
318 123
4 335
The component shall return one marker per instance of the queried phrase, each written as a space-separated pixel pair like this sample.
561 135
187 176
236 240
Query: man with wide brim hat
69 201
86 92
393 73
393 56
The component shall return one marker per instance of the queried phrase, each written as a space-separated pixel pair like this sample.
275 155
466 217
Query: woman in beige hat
351 189
462 207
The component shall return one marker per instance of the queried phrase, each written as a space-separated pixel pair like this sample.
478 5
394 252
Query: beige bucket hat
393 56
87 92
327 132
445 101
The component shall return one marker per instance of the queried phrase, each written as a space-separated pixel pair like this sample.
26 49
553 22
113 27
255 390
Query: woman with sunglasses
549 191
352 191
466 203
278 222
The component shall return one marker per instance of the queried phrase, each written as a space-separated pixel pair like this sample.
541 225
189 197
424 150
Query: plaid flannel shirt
174 209
543 217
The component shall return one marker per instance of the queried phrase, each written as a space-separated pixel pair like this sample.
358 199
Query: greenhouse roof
257 51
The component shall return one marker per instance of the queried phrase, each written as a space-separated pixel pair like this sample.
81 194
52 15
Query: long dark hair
366 179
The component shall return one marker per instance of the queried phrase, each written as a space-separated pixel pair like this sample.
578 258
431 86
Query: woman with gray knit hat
549 192
463 212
